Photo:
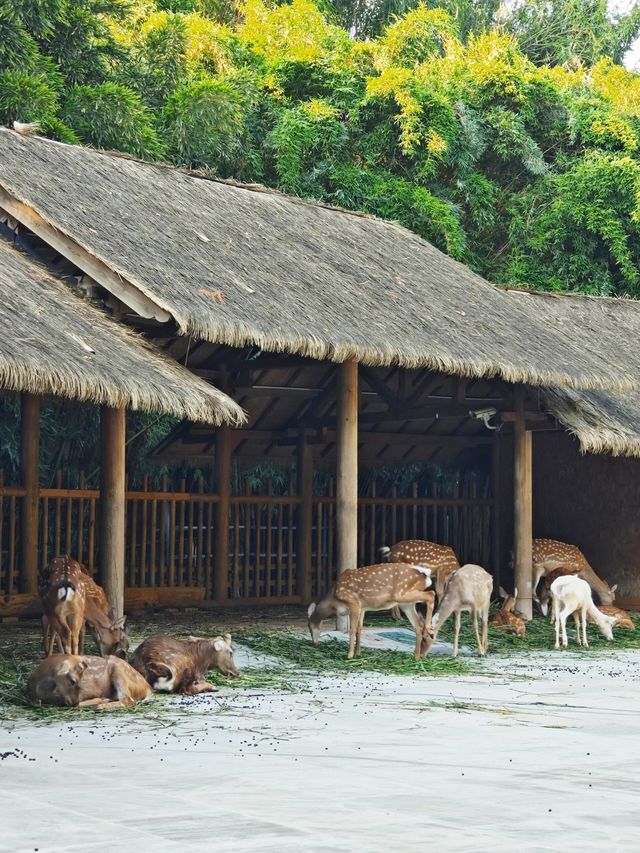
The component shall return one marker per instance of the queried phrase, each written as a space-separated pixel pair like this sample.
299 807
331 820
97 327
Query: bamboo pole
305 518
223 487
112 504
347 471
523 511
30 466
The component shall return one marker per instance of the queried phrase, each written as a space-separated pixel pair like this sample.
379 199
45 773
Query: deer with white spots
440 558
549 554
570 595
506 618
378 587
468 589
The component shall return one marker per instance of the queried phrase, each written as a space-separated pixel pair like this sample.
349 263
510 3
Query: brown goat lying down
181 666
78 681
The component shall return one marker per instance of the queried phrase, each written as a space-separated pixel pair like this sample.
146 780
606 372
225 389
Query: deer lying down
505 618
572 595
78 681
468 588
378 587
622 618
181 666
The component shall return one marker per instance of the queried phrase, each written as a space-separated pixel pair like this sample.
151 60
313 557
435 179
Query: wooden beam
83 259
223 487
112 504
30 469
496 470
523 509
347 471
380 388
305 518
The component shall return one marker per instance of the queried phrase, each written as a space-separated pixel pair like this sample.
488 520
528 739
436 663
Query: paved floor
538 754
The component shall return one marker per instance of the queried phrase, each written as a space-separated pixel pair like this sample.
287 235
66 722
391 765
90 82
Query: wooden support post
305 519
223 487
30 469
112 504
347 471
495 510
523 509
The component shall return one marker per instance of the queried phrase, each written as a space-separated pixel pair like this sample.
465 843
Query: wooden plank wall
171 532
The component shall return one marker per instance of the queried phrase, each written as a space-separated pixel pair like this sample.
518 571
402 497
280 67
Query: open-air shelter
342 336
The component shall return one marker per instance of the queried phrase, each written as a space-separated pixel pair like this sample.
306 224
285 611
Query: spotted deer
549 554
571 595
505 618
107 629
621 617
378 587
440 558
63 596
78 681
467 589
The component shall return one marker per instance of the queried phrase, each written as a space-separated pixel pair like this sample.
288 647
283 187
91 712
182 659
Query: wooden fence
171 533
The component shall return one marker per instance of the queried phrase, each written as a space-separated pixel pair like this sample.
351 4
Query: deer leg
359 632
199 687
484 613
584 628
456 633
564 615
395 613
354 625
45 634
576 622
410 612
474 617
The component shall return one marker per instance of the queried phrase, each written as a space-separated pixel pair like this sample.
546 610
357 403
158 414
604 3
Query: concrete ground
535 753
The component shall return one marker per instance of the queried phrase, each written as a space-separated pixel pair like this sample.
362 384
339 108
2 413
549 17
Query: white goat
572 595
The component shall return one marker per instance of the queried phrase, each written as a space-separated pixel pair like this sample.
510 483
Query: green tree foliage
112 116
506 134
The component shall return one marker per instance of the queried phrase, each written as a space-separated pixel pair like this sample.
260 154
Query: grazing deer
469 589
79 681
572 595
622 618
378 587
181 666
544 598
549 554
441 559
505 618
108 631
63 596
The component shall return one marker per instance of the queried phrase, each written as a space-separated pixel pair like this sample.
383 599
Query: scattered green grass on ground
541 636
331 656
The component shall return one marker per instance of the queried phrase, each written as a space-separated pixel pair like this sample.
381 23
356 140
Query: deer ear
614 587
311 610
227 638
502 592
515 592
112 614
219 645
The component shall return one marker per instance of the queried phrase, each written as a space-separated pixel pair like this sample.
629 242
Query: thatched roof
602 421
54 342
241 265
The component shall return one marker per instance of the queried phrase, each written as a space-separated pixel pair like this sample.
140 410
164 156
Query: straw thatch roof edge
57 343
375 349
